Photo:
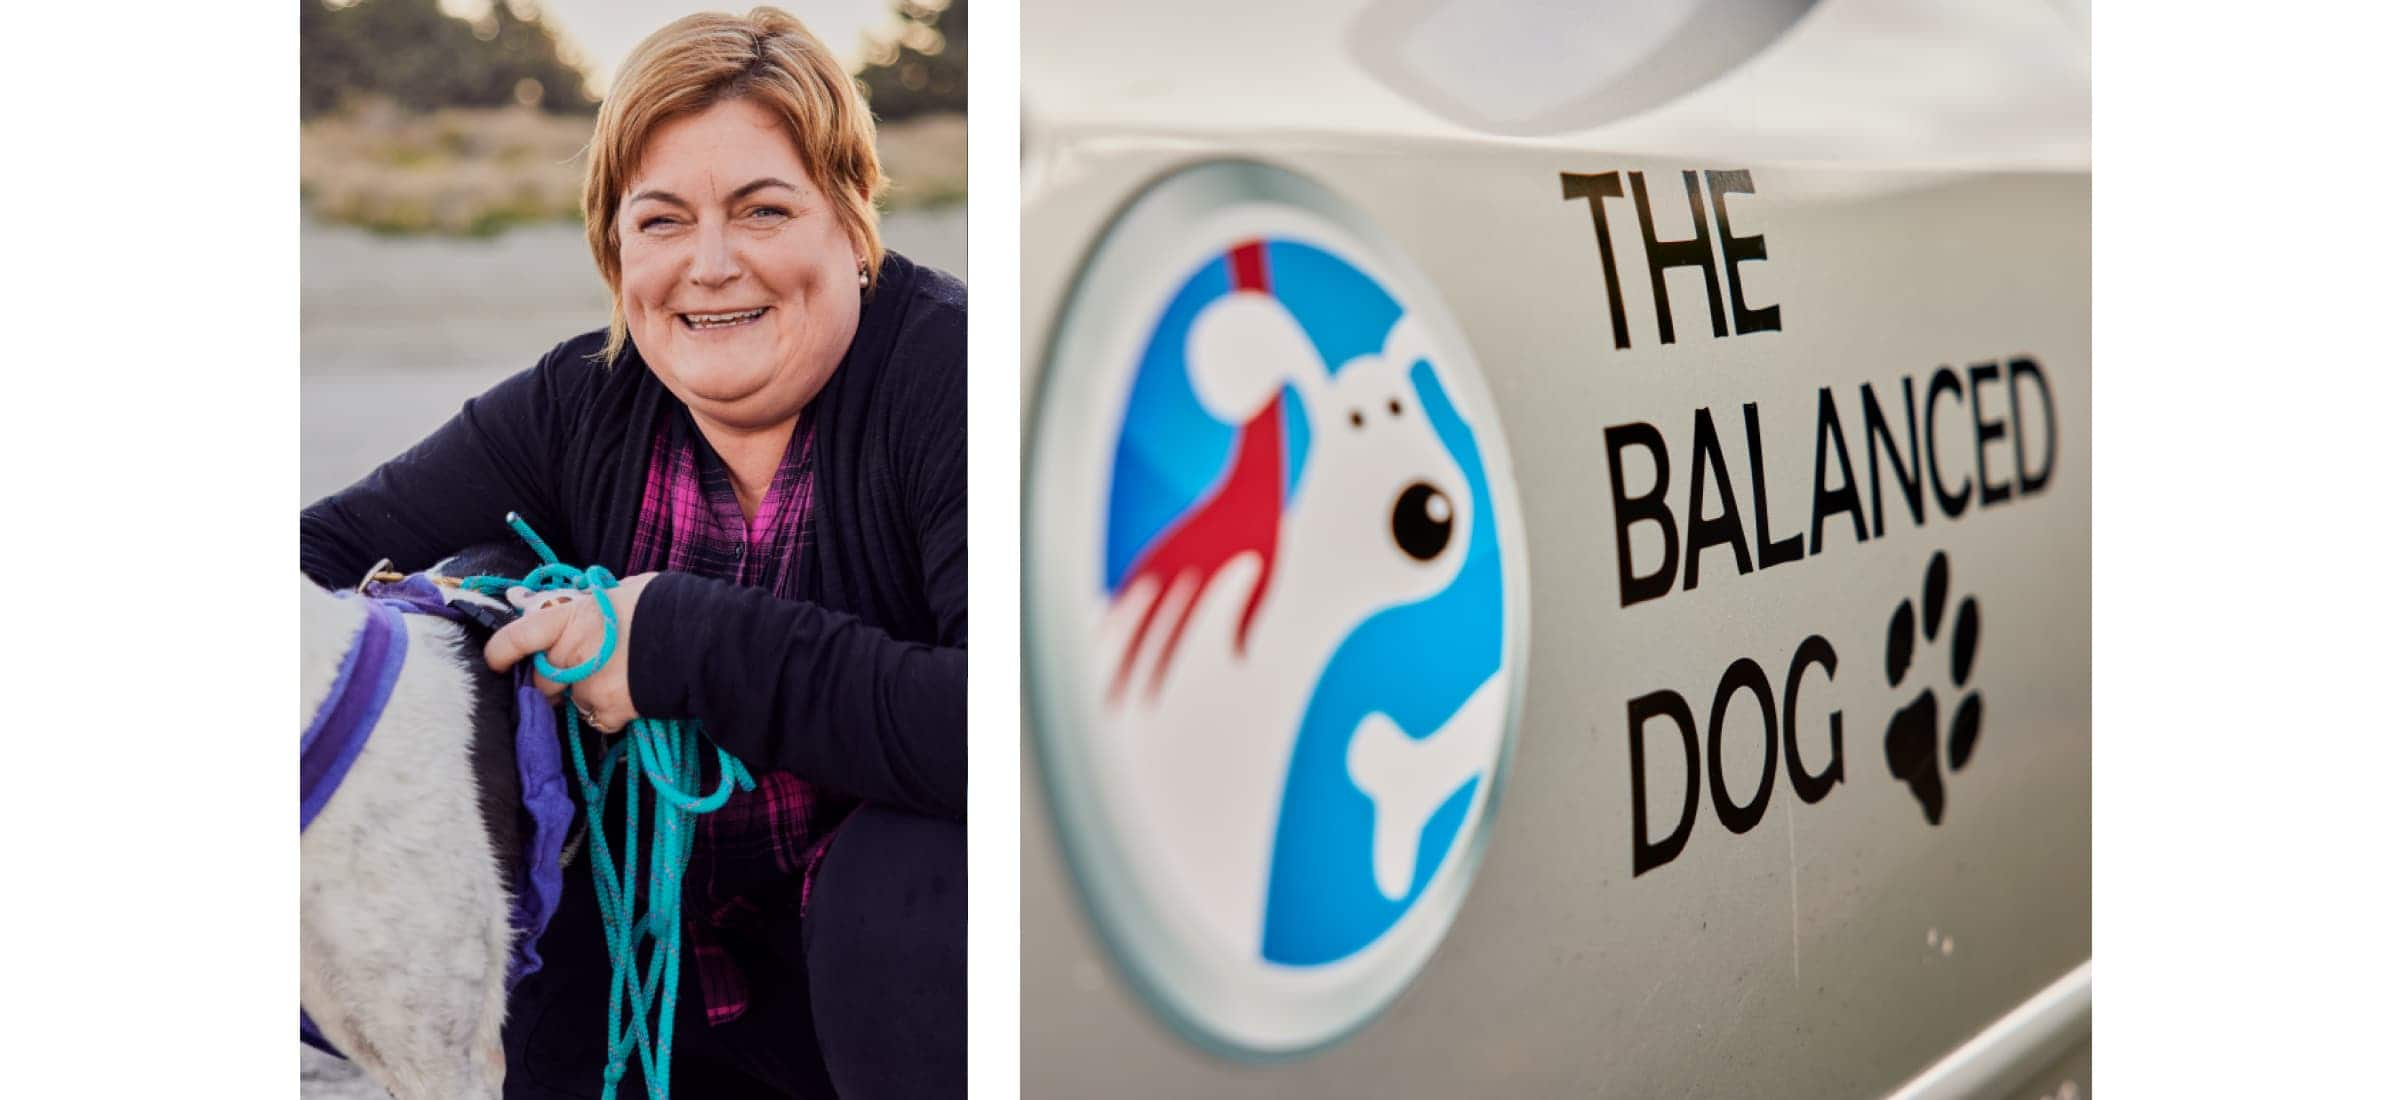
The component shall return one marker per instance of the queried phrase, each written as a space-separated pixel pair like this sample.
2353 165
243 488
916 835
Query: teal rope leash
665 756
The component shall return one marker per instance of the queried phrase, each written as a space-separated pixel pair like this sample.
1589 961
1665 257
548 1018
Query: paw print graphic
1910 739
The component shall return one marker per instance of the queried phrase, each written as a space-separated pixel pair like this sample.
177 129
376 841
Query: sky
605 30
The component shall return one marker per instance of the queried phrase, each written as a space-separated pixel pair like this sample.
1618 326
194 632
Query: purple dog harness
333 739
348 714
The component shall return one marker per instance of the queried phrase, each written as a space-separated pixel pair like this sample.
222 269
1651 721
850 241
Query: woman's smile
721 321
739 283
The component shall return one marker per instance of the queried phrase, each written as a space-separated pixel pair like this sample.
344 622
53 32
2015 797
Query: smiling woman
742 295
767 444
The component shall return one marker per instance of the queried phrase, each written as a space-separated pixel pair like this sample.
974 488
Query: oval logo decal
1275 583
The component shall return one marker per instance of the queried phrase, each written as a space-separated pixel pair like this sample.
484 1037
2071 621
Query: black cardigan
859 684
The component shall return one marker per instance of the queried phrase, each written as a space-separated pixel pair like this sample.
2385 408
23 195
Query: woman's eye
767 213
650 225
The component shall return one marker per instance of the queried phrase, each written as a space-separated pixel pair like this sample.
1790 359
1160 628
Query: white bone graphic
1212 704
1408 779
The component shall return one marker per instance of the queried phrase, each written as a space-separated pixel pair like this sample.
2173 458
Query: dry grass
481 172
924 160
455 172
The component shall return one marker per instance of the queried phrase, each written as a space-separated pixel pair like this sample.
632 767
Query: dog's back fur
408 870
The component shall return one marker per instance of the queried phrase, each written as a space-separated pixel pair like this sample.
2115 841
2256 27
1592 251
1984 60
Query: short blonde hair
697 61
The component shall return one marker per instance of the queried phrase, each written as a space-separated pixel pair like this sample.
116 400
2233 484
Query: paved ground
396 333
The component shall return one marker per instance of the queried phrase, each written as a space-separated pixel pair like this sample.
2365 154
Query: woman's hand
569 628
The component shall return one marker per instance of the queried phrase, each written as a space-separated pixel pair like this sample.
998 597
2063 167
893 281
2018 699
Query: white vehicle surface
1556 550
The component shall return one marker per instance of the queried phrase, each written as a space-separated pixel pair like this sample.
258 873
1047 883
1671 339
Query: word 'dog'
1669 709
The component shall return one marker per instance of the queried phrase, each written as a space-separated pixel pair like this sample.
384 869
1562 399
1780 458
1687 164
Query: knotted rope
666 756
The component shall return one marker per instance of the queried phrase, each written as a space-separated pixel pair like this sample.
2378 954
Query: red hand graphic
1241 515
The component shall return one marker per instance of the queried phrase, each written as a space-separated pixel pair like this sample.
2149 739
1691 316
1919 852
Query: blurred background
440 151
440 154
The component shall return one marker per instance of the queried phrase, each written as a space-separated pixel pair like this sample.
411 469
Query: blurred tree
421 58
918 68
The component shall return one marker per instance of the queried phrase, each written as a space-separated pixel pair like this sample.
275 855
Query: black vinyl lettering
1594 189
1988 493
1652 506
1728 526
1735 250
1810 787
2031 482
1953 503
1874 427
1662 255
1660 704
1825 503
1746 675
1783 550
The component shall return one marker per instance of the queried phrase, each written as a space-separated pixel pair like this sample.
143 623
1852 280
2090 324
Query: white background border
994 817
2240 610
151 296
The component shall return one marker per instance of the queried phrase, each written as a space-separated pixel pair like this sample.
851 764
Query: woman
767 445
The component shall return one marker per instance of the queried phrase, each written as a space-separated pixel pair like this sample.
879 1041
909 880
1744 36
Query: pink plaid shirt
690 522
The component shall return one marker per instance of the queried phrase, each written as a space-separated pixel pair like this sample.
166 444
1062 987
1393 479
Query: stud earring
862 278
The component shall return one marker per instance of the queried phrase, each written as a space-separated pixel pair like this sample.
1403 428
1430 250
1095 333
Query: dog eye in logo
1274 691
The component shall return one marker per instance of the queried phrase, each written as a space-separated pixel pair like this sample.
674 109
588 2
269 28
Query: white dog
1225 623
407 871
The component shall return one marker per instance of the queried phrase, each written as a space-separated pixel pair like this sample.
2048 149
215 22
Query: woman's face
739 282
